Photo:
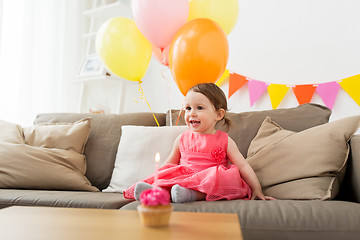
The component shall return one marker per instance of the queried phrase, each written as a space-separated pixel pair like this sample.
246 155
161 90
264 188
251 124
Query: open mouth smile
194 123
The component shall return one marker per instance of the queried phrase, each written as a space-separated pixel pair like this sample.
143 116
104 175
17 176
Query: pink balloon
161 56
159 20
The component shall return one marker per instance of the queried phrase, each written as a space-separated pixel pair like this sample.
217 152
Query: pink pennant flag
256 89
328 93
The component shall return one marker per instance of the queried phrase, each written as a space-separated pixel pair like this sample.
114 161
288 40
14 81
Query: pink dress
203 167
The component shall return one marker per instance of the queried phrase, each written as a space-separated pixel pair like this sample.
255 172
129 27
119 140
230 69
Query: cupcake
155 208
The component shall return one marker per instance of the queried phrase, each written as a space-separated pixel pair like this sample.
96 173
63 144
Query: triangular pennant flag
277 92
256 89
304 92
352 86
236 81
223 78
328 92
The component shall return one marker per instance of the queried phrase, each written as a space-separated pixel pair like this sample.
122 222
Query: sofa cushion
105 132
284 219
136 152
305 165
350 188
67 136
74 199
245 125
31 167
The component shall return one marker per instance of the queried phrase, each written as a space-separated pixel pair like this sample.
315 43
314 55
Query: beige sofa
338 218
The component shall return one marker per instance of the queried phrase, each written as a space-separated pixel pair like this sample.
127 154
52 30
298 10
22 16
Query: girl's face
200 114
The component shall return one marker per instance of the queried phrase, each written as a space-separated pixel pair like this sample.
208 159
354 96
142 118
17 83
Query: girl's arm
174 156
246 171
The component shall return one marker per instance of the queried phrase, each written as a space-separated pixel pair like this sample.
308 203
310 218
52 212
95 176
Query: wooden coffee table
77 223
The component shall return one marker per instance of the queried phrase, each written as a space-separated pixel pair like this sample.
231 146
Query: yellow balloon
123 49
224 12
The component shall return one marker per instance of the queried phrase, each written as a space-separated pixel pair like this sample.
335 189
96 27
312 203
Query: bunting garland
277 92
223 78
328 92
256 89
236 81
303 92
352 85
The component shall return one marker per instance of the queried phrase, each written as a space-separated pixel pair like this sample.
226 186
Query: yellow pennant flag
223 78
277 92
352 86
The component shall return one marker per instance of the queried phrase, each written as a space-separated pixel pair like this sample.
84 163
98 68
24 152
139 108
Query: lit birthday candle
157 160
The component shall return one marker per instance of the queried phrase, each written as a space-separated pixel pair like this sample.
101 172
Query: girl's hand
258 195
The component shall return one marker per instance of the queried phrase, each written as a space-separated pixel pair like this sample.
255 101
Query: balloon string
180 114
142 98
168 82
163 56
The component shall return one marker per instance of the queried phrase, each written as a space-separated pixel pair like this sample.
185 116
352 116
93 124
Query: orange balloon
198 53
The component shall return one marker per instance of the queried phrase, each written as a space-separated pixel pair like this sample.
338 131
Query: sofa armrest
352 177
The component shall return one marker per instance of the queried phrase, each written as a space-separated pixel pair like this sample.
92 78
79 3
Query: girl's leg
200 196
180 194
139 188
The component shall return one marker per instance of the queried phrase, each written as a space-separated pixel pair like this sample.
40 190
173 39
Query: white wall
40 48
277 41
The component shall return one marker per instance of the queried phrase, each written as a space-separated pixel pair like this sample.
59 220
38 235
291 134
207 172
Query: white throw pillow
135 158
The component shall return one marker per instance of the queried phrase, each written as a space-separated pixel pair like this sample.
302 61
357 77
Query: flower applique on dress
218 154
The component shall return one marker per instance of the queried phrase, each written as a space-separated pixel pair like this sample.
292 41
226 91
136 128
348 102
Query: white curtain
39 55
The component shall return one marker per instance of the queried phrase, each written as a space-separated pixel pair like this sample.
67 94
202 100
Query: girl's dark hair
216 96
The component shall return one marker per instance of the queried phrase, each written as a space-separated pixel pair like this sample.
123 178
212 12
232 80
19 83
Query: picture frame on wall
91 66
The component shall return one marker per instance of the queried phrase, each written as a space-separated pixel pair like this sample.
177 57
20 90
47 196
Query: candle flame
157 157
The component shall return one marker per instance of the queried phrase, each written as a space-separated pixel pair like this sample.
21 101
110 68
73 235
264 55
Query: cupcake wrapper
155 217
